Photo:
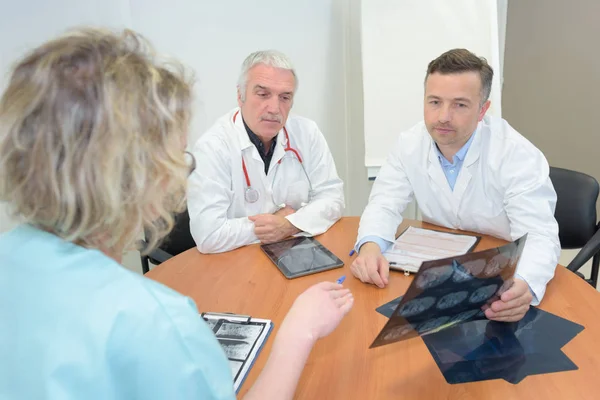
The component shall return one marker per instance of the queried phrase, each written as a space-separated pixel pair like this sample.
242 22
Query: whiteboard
399 39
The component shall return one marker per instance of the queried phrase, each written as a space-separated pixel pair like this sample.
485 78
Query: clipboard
407 256
242 338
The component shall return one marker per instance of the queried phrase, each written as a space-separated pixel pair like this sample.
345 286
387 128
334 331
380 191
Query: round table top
341 366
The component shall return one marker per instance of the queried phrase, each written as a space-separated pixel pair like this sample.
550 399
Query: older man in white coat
467 171
261 175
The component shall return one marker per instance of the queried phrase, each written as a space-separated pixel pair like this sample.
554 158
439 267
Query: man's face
269 98
452 108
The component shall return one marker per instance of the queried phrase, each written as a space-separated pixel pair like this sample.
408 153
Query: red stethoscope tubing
287 148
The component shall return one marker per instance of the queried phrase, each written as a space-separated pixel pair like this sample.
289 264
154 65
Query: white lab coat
216 203
503 189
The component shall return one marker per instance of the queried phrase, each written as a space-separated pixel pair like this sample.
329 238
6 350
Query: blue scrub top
74 324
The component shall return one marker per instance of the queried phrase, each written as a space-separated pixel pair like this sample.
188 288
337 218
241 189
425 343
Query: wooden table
341 366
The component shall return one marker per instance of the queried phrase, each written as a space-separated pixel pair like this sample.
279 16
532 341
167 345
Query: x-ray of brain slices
433 277
397 332
475 267
463 316
461 274
416 306
452 299
496 264
432 324
483 293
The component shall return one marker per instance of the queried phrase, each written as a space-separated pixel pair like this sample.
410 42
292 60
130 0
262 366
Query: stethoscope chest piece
251 195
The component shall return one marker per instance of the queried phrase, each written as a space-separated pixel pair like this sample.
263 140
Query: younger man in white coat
467 171
261 175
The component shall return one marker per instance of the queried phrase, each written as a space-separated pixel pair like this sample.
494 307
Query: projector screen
399 39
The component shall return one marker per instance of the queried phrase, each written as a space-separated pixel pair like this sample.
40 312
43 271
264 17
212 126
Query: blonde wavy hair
92 137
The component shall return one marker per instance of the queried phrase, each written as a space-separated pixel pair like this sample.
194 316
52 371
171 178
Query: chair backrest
180 239
575 213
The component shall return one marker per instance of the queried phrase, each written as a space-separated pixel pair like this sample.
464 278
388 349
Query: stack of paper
416 245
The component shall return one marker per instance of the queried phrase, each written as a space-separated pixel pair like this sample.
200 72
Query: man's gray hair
272 58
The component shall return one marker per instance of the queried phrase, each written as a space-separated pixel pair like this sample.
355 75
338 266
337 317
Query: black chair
575 213
179 240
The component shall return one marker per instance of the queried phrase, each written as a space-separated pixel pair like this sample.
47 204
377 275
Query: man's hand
270 228
371 266
513 304
285 211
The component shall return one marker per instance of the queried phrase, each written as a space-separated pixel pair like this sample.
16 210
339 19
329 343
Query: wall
357 184
551 79
214 37
320 36
394 62
551 82
26 24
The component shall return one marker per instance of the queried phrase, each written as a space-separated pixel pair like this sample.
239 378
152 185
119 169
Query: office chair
575 213
179 240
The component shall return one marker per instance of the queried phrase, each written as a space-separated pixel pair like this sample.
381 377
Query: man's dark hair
462 60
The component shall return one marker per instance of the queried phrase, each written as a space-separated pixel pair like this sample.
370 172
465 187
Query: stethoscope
251 195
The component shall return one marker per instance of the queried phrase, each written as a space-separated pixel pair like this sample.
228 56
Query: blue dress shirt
451 169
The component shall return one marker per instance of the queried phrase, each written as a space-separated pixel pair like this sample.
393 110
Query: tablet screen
301 256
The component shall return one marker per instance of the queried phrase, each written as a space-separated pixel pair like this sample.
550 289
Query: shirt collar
257 142
460 154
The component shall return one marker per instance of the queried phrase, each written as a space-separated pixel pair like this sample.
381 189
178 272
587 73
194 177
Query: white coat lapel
242 135
278 153
436 174
462 182
279 149
464 177
246 144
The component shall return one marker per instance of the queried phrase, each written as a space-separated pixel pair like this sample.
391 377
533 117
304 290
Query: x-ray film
451 291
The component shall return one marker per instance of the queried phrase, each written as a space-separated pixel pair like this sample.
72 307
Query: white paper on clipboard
416 245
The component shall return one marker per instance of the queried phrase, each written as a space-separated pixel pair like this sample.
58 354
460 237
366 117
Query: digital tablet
301 256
